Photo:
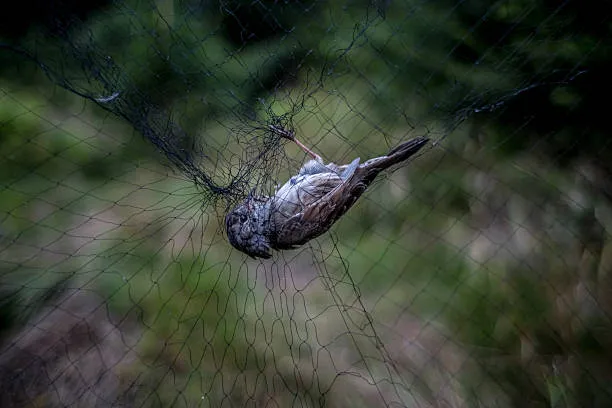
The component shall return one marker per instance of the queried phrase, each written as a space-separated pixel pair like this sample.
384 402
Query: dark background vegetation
483 266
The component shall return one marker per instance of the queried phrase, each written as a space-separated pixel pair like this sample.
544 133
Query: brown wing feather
319 216
290 203
329 204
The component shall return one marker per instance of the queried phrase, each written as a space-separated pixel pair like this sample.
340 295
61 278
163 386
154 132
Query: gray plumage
308 204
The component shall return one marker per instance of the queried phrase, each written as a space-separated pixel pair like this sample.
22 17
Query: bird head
246 228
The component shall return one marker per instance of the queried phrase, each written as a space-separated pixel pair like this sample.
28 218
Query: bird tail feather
397 155
404 151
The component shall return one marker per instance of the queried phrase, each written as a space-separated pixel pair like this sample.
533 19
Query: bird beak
267 254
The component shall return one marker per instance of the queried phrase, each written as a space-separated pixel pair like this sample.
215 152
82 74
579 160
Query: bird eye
243 217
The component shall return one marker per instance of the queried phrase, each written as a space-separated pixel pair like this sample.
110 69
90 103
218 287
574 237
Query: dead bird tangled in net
309 203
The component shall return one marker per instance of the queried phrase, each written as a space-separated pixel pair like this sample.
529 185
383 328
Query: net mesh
475 275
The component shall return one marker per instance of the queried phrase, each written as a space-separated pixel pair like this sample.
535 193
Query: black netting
474 274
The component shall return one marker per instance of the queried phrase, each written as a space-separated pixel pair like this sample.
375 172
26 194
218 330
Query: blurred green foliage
491 255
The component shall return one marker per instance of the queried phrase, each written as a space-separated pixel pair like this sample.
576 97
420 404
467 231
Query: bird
309 203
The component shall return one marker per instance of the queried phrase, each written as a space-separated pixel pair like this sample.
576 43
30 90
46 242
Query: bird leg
291 136
308 151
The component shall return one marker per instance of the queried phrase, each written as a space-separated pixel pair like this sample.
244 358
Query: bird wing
302 191
320 214
324 206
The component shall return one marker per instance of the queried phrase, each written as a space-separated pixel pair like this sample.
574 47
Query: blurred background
477 275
